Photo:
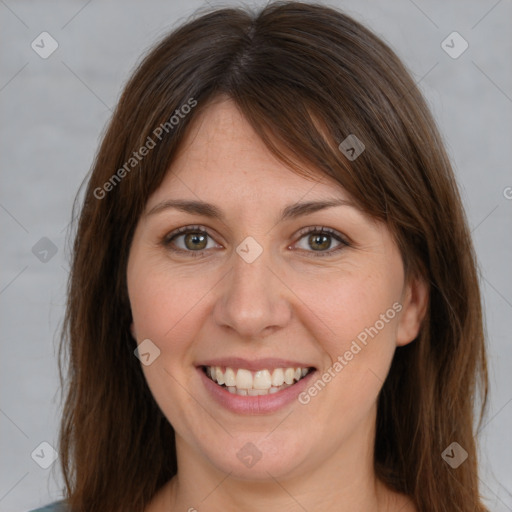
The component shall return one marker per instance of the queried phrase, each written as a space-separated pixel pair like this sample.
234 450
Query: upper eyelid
320 229
183 230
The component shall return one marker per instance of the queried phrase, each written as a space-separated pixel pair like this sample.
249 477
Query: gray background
54 111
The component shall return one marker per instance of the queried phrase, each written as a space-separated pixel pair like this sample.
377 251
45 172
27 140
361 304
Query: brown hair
306 77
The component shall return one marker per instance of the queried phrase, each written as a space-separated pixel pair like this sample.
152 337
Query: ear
414 306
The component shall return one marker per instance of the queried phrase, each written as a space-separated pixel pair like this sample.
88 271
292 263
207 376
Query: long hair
306 77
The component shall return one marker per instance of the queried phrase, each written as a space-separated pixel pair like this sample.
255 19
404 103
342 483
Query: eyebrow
291 211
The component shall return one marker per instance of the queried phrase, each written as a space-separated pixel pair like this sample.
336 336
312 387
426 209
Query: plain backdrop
53 112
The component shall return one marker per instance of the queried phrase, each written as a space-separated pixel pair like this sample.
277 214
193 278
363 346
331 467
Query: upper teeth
261 379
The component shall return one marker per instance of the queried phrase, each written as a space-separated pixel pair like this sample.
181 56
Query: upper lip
267 363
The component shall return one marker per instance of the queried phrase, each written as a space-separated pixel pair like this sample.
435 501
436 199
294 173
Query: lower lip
261 404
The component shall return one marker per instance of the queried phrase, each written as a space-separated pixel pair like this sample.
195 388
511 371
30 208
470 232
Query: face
263 290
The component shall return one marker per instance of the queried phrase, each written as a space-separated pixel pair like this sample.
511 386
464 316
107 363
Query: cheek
162 300
344 305
153 309
354 319
163 306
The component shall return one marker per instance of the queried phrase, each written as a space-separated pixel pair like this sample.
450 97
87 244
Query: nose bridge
253 299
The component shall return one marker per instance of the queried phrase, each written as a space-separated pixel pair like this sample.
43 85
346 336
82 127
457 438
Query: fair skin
288 303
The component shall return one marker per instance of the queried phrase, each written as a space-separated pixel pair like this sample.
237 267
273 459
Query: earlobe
415 303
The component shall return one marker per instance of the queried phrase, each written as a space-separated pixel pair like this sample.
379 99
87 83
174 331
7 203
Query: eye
320 240
190 239
195 240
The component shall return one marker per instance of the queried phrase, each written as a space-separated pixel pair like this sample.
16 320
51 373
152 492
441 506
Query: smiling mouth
243 382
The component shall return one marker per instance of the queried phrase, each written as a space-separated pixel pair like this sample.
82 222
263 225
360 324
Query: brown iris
197 241
319 242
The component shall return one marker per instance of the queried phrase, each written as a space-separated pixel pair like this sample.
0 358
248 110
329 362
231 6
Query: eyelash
318 230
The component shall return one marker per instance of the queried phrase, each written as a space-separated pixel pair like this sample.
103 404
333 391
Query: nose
253 301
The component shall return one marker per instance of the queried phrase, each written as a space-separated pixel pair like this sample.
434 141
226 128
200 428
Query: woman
273 301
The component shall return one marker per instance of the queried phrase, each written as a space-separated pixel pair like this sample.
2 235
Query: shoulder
56 506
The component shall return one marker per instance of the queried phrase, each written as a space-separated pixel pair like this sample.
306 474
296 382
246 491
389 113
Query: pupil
194 239
322 241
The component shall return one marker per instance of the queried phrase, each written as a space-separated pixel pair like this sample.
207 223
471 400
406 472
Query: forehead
222 157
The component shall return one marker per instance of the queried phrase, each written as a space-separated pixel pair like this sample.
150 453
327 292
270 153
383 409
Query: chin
254 458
